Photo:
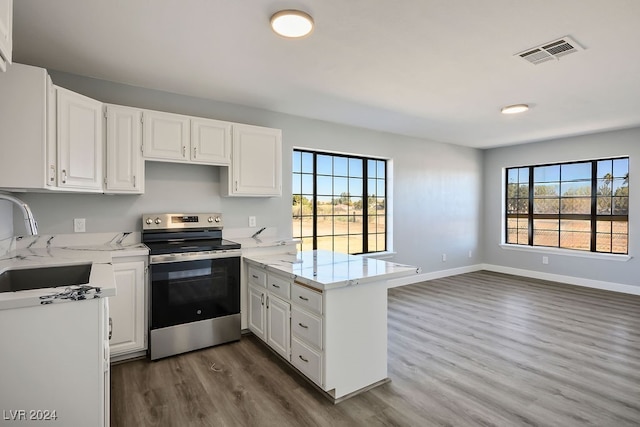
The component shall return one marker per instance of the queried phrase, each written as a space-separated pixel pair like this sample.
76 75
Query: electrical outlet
545 260
252 221
444 257
470 254
79 225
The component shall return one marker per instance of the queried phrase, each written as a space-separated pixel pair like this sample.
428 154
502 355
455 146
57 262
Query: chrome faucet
257 233
29 220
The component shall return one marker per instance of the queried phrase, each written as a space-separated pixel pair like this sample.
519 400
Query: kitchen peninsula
326 314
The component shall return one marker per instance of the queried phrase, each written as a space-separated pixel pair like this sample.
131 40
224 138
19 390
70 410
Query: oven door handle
193 256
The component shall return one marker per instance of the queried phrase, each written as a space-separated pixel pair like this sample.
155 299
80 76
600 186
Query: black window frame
364 196
593 216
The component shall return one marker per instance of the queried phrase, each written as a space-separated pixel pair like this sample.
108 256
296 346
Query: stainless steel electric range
195 283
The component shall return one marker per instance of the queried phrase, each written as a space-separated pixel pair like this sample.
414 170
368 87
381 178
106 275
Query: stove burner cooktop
171 247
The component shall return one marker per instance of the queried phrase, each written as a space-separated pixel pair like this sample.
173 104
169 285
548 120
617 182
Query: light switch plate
79 225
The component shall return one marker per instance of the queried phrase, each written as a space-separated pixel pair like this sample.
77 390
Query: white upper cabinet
6 31
124 165
24 92
210 141
79 141
178 138
256 166
165 136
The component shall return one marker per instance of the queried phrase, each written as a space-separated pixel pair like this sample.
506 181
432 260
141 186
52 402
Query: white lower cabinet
278 325
269 319
337 335
128 308
55 363
288 317
307 359
257 312
306 326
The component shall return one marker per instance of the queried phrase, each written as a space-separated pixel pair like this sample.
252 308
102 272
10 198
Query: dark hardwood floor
479 349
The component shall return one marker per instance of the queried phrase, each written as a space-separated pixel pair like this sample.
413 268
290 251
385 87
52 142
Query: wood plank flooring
479 349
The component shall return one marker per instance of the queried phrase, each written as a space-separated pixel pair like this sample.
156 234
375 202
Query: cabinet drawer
279 286
307 298
257 277
306 326
307 360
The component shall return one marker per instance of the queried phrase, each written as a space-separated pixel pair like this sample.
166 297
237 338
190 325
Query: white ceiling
435 69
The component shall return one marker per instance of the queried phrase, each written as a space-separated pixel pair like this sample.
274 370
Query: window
339 202
579 205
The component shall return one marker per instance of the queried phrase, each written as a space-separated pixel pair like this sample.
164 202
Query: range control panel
178 221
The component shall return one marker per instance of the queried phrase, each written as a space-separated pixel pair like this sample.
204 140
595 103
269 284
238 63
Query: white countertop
37 251
328 270
264 242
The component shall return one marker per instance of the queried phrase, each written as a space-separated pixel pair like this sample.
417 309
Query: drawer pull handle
275 286
303 298
254 276
303 326
303 359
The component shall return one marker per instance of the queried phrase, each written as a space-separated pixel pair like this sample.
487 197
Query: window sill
566 252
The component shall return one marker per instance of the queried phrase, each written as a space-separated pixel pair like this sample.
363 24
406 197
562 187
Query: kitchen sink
44 277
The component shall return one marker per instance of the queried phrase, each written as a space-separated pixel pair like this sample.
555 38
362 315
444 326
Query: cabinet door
127 308
278 325
79 131
257 313
125 168
6 30
165 136
23 127
257 161
210 141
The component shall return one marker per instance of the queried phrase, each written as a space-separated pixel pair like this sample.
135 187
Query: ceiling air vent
549 51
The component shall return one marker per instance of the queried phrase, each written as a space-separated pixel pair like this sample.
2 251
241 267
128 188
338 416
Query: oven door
193 290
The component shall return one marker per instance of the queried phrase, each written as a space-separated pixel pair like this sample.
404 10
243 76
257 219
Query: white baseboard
433 275
571 280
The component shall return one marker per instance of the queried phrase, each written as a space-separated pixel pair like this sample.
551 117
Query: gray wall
436 193
6 226
602 145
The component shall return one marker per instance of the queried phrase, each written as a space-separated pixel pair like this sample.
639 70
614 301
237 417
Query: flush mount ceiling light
292 23
514 109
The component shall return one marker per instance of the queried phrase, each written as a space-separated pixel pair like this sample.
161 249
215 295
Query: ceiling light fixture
514 109
292 23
